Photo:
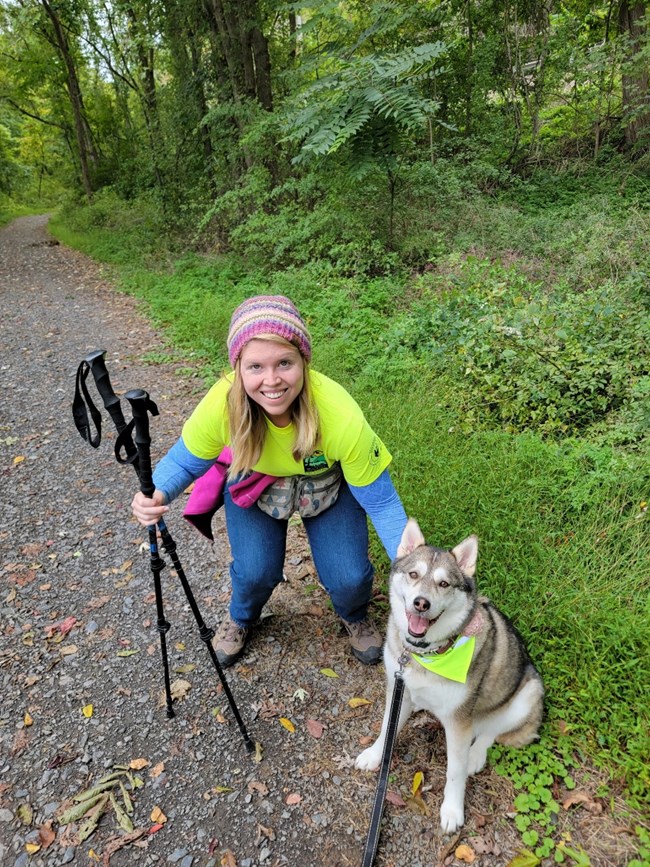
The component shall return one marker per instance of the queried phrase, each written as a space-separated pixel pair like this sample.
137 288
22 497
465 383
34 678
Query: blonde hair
247 420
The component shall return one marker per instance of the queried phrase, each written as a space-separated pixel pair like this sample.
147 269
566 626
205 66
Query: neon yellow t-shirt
345 435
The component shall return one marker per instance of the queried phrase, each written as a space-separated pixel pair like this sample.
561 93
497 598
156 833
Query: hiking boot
229 642
365 641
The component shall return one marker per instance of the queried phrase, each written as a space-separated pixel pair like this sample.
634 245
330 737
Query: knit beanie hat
267 314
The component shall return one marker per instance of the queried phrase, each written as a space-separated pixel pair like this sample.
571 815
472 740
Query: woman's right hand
149 510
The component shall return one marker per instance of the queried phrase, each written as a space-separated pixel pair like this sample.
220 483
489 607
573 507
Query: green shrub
551 360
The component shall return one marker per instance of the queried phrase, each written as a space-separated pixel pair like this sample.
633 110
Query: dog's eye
414 575
444 584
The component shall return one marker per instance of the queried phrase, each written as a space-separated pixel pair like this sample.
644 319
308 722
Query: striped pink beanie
267 314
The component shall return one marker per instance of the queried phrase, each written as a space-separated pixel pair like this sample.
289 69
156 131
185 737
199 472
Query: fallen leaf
185 669
260 788
314 728
328 672
465 853
358 702
25 814
417 805
128 652
114 844
418 779
156 827
20 741
11 595
62 626
258 752
157 770
395 799
27 719
288 725
32 848
97 602
585 799
180 688
157 815
365 740
292 799
93 855
264 833
68 649
139 764
18 460
228 859
87 710
525 858
300 694
46 835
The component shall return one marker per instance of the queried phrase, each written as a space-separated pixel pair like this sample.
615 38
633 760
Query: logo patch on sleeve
375 451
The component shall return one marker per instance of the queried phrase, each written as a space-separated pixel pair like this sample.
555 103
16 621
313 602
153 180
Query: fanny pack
307 495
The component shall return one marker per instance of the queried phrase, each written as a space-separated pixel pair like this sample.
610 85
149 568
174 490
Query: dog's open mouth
418 625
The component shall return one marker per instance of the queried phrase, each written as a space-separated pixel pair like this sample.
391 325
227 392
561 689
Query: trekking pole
139 454
96 363
141 405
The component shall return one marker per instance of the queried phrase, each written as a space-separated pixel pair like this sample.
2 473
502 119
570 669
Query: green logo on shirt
315 462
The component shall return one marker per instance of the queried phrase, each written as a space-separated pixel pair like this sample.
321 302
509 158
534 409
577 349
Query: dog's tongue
417 625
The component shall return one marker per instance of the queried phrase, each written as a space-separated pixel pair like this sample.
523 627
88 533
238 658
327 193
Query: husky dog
462 660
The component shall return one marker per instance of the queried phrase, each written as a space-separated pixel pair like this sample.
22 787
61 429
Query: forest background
456 193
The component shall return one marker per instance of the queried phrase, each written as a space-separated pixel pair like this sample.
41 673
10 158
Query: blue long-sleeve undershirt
381 502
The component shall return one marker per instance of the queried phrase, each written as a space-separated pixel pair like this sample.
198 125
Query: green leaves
378 91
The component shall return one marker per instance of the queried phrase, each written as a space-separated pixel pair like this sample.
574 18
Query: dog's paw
452 817
369 759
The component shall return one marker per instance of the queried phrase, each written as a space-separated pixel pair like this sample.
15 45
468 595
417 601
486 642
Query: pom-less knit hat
267 314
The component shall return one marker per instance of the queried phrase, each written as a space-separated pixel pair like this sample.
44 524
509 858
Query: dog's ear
465 555
412 538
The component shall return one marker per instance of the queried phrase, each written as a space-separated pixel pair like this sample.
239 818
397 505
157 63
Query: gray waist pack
307 495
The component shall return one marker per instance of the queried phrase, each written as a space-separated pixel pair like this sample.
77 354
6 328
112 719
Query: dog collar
454 662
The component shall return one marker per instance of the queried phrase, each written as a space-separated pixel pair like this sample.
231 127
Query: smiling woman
272 376
282 419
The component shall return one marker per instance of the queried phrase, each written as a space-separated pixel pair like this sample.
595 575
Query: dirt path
78 630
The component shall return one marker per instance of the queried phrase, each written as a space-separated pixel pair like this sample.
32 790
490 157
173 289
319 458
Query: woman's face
273 376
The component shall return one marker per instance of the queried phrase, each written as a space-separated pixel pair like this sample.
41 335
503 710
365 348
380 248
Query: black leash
382 784
138 453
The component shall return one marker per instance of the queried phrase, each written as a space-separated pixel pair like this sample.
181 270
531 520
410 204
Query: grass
562 520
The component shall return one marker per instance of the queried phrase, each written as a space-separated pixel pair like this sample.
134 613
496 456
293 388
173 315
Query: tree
635 78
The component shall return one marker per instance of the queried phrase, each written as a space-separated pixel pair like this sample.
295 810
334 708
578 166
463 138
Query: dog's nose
421 604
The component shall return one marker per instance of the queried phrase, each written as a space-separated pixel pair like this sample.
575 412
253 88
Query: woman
283 419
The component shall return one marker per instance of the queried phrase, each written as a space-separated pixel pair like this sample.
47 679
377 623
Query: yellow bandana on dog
453 663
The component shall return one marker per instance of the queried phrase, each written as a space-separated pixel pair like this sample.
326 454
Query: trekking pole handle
97 364
142 405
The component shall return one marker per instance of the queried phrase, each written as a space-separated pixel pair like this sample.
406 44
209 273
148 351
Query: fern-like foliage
366 99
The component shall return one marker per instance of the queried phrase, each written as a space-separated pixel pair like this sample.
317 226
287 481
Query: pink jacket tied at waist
207 494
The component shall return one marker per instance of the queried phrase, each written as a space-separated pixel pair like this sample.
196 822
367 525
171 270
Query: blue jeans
338 538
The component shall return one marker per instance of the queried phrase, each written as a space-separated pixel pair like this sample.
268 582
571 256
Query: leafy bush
555 361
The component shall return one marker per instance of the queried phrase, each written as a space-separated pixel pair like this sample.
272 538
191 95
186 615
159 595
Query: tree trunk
245 50
87 154
147 92
635 80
